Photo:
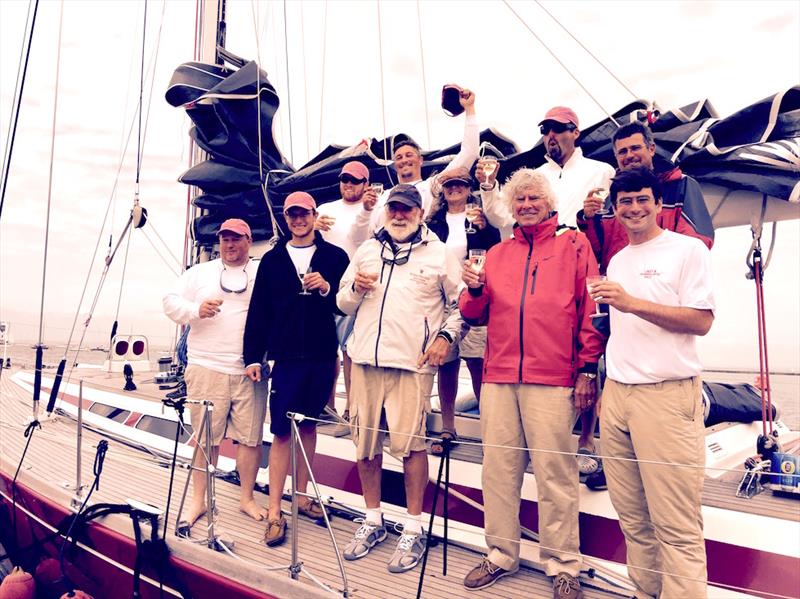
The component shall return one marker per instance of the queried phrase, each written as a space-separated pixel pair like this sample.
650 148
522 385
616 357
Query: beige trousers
537 417
658 505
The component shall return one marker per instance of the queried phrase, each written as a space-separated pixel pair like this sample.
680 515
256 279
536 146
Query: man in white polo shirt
213 297
659 291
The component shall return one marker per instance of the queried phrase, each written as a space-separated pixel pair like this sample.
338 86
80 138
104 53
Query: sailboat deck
129 472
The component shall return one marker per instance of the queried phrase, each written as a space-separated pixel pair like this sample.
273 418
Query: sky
384 65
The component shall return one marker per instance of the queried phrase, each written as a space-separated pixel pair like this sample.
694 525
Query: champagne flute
591 281
471 214
602 194
488 164
477 258
301 275
374 276
377 188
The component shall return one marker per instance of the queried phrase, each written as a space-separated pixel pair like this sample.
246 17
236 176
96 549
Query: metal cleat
751 484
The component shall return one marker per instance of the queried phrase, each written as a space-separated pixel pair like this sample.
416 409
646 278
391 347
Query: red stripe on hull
102 579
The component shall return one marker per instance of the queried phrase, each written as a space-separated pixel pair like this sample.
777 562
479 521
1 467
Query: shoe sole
352 558
492 581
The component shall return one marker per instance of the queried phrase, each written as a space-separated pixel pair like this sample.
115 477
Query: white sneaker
410 549
367 536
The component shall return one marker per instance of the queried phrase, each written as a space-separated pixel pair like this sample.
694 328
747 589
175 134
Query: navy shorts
301 386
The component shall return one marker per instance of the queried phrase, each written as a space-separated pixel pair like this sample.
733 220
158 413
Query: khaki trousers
658 505
537 417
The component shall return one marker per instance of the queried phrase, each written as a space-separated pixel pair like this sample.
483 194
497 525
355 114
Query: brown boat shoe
311 509
484 574
276 532
566 586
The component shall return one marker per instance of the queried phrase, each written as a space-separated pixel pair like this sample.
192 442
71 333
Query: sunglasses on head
351 180
556 127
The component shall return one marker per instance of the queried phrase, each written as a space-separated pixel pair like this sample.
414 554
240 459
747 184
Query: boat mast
210 30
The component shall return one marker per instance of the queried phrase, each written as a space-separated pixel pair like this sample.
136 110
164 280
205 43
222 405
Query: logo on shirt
650 273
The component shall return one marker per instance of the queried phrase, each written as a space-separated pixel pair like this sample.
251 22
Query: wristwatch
589 375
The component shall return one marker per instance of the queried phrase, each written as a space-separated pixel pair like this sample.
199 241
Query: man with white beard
402 285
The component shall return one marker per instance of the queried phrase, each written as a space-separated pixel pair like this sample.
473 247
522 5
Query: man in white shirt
659 292
572 176
336 222
213 297
569 172
408 166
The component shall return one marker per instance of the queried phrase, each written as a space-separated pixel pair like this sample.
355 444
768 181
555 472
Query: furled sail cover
740 160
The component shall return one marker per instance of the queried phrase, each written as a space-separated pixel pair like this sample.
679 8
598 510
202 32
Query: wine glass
374 277
301 275
471 208
602 194
477 258
488 164
591 281
377 188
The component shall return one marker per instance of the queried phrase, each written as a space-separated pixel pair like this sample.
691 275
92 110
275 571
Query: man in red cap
291 321
570 173
213 297
336 222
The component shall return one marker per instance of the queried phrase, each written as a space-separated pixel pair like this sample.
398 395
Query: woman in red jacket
539 373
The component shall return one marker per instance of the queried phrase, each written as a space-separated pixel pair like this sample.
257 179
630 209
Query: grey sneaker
367 536
343 427
409 551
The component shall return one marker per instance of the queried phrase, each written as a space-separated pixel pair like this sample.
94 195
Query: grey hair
527 177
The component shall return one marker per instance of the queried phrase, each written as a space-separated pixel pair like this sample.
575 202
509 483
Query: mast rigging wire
589 52
560 62
50 172
288 87
305 78
322 75
383 102
424 85
7 161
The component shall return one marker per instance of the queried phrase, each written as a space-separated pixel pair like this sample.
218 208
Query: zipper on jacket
426 335
522 305
380 314
533 276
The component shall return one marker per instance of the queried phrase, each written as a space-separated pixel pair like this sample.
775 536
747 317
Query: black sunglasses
351 180
556 127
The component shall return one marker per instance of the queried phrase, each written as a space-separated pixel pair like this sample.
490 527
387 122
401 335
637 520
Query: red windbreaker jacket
537 308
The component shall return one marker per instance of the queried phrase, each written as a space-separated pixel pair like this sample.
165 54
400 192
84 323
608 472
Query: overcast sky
733 53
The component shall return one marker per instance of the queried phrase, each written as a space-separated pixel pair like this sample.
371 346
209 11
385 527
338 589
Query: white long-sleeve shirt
369 221
214 343
571 184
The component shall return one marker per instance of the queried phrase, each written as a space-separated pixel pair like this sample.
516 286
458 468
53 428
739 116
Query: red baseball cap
356 170
561 114
235 225
299 199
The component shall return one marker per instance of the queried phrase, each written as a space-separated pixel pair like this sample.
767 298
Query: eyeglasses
230 273
351 180
555 127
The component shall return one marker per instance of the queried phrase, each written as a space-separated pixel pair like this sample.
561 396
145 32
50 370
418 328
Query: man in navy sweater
291 320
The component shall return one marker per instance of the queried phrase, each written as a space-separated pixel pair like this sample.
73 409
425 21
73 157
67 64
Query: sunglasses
351 180
555 127
225 288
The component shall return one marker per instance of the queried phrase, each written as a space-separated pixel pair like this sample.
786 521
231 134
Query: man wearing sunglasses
336 222
291 321
569 172
402 287
213 298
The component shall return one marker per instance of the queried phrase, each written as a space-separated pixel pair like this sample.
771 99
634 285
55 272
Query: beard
401 231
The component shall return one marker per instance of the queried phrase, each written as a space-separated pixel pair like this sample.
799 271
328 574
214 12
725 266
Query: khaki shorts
473 345
382 398
239 405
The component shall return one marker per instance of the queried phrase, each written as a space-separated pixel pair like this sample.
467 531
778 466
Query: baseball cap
459 174
356 170
561 114
235 225
299 199
405 194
